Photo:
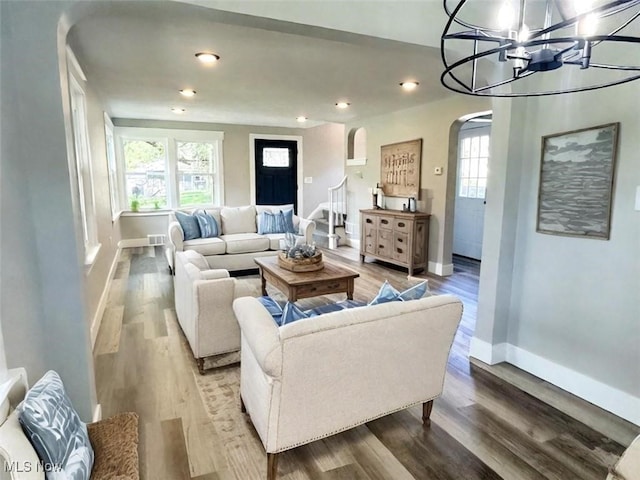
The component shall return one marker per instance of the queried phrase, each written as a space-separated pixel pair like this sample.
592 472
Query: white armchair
320 376
204 307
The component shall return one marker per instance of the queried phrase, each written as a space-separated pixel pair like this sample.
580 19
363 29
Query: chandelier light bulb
588 25
524 33
506 16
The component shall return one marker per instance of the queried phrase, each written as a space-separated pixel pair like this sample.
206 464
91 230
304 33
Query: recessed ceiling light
187 92
343 105
178 110
207 57
301 119
409 85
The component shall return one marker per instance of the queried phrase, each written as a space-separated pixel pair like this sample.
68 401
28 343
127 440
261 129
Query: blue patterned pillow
288 220
273 307
290 313
334 307
271 223
55 430
386 294
189 225
207 224
415 292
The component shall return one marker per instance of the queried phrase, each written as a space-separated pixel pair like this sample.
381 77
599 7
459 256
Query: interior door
276 166
468 223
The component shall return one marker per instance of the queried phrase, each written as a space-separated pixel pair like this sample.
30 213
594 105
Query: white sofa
320 376
628 465
239 243
204 307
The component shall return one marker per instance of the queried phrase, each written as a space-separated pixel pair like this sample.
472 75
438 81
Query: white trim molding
604 396
252 164
441 269
97 413
102 304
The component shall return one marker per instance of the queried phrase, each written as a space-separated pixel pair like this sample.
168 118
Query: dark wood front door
276 172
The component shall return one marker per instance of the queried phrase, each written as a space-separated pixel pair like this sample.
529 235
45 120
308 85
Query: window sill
90 258
145 213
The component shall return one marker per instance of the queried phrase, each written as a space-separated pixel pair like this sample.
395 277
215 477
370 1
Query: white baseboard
616 401
102 305
441 269
353 242
97 413
133 242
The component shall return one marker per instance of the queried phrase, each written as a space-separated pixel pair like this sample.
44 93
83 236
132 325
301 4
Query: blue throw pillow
273 307
334 307
288 221
207 224
271 223
290 313
55 430
415 292
189 225
386 294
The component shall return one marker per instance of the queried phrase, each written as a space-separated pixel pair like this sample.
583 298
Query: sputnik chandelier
521 48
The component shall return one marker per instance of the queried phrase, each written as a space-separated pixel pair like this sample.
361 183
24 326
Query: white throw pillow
238 220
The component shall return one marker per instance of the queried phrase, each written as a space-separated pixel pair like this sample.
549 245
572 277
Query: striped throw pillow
272 223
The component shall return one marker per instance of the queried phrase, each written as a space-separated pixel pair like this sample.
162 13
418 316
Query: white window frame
112 167
170 137
465 134
82 155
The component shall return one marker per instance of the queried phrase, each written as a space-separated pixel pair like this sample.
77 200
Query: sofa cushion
286 209
15 449
207 223
214 274
245 243
55 430
238 220
206 246
189 225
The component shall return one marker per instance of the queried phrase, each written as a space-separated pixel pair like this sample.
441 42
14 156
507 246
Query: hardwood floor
483 426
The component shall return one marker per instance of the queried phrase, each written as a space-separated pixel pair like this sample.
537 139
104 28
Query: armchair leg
426 413
200 362
272 466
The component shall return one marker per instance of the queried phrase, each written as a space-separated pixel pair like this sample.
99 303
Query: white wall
43 308
431 122
571 313
324 155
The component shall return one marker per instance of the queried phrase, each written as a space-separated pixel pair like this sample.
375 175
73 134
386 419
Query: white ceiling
137 55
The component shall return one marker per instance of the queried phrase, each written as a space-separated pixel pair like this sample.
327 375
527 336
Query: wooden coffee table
333 278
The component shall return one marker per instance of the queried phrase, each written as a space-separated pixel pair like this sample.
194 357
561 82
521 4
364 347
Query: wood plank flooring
490 423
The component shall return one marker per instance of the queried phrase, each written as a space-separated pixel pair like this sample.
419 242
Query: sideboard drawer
385 223
401 225
385 243
401 247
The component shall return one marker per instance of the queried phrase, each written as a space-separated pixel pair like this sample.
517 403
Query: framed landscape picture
576 182
400 168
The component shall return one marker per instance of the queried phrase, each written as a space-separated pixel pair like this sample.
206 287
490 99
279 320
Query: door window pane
275 157
473 166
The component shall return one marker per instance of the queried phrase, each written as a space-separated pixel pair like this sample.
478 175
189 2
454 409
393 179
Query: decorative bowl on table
299 258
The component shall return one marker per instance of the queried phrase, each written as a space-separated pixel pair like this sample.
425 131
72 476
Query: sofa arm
214 274
260 333
176 237
306 229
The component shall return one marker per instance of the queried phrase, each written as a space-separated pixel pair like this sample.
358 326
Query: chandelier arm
625 24
453 14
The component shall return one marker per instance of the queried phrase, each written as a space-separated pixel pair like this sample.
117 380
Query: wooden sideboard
401 238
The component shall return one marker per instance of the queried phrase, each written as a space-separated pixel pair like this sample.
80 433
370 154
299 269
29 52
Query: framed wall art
400 168
576 182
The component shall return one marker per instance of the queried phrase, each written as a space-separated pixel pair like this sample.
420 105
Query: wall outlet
308 179
437 170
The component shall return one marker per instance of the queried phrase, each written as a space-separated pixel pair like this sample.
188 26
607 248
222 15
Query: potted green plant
135 205
156 204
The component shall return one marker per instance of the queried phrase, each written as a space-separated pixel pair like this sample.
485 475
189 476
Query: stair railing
337 210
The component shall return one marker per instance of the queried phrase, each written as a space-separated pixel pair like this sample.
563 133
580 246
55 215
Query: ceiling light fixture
343 105
408 86
488 47
187 92
301 119
207 57
178 110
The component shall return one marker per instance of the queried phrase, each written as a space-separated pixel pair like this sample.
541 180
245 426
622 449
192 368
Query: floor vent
156 239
